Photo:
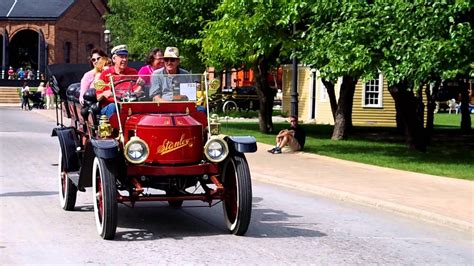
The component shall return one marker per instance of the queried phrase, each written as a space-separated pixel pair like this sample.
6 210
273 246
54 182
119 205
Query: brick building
41 32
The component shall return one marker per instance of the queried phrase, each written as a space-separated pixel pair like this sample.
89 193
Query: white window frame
323 93
375 89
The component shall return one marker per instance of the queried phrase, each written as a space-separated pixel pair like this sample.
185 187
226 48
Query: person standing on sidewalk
49 94
11 73
25 94
294 137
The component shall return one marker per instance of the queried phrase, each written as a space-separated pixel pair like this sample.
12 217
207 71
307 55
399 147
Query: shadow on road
28 193
273 223
159 221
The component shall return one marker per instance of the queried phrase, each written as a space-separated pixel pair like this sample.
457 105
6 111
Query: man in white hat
118 71
165 79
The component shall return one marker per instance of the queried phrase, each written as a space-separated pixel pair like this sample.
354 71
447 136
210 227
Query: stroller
37 100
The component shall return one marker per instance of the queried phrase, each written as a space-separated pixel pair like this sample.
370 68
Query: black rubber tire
104 197
176 204
67 189
237 203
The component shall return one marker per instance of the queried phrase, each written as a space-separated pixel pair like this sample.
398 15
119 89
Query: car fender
102 148
68 143
242 144
105 148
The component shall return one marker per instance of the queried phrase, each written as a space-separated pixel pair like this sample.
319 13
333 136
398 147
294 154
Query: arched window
67 52
89 47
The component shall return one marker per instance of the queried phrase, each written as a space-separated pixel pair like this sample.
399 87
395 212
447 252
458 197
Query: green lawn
450 153
449 120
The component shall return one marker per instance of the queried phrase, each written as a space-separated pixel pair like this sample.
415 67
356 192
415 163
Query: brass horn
100 84
214 85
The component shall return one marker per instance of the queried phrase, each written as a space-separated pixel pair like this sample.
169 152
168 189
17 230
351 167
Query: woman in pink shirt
87 81
49 95
153 61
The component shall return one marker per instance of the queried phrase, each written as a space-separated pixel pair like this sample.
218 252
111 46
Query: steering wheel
128 95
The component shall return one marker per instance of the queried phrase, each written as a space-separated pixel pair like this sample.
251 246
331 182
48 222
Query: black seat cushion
73 92
90 96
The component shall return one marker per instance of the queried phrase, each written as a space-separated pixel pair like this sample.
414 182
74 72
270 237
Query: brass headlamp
105 129
214 125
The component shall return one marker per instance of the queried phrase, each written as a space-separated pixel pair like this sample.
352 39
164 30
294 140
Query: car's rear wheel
67 189
105 197
174 203
229 106
237 201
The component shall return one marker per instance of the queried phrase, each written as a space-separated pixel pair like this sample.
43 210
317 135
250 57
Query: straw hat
171 52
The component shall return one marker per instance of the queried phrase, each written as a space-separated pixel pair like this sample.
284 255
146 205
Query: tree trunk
465 115
420 106
332 96
430 92
265 94
398 117
343 118
406 104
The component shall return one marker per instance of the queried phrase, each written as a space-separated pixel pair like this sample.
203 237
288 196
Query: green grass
450 153
245 114
449 120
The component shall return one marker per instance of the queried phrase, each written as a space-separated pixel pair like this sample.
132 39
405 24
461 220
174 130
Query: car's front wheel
104 197
237 201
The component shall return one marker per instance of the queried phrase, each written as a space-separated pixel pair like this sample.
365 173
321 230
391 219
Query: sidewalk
440 200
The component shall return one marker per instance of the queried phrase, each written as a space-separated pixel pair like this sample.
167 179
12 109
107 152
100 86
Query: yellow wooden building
373 105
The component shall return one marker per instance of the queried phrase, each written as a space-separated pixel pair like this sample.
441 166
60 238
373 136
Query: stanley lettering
169 146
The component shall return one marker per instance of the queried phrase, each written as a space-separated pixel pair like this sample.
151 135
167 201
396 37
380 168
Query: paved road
288 226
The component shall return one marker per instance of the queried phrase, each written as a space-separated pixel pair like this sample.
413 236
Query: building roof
33 10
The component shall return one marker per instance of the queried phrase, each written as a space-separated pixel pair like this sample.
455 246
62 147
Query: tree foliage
339 41
144 25
411 42
252 33
424 40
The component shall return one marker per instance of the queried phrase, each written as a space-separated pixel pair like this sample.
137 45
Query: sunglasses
292 121
170 59
93 59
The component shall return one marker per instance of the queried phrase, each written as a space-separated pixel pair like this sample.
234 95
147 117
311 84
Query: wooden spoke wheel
104 197
237 201
67 189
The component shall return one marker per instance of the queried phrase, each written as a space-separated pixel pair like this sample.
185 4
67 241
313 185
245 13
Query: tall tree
339 43
144 25
253 33
420 43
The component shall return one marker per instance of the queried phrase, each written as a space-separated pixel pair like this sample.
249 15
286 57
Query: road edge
410 212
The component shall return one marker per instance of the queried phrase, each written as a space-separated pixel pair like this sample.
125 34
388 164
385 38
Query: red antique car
168 151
